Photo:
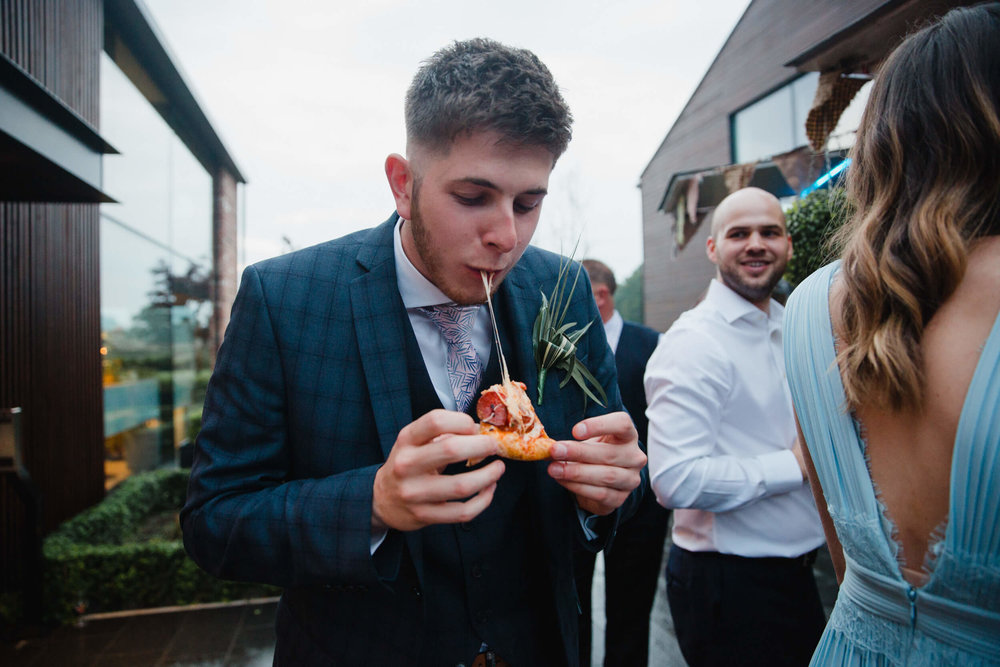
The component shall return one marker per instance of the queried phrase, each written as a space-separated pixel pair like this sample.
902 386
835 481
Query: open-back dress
879 618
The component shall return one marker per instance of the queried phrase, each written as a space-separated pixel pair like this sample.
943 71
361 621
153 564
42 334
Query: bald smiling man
724 455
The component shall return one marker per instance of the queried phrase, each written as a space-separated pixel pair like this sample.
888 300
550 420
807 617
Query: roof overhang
49 153
132 40
784 175
712 187
863 44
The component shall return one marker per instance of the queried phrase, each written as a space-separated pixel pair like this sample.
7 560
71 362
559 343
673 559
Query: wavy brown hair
925 183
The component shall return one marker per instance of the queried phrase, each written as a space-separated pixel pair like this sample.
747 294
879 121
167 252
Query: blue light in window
825 178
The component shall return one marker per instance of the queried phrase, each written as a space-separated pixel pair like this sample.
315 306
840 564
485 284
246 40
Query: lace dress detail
879 618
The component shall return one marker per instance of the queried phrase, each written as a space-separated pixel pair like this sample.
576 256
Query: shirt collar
414 288
613 329
733 307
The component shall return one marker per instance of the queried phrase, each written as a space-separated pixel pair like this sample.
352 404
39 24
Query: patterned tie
464 368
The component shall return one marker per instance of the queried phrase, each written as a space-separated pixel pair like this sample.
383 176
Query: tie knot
453 321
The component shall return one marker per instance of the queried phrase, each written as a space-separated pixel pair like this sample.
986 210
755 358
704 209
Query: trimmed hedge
91 566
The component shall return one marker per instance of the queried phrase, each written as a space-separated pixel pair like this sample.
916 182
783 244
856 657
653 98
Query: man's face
604 300
474 209
751 248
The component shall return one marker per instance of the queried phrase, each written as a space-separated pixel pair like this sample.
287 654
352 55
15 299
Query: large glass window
777 123
156 273
774 124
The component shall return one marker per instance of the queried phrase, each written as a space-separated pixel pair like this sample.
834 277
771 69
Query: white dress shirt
418 292
613 329
721 430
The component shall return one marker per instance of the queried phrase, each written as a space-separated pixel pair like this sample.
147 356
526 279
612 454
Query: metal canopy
47 151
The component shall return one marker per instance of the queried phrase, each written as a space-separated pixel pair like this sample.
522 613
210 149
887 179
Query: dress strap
820 404
972 629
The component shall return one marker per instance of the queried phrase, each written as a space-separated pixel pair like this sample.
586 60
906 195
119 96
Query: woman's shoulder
811 296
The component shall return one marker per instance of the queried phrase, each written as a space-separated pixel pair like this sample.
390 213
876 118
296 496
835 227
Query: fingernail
580 431
558 450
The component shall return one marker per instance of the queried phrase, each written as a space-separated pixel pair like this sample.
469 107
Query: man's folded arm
687 382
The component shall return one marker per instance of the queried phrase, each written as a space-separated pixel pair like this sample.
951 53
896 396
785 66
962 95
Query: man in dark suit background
338 421
632 563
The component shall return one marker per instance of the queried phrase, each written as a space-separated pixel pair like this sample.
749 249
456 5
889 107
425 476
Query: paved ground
244 635
214 637
663 649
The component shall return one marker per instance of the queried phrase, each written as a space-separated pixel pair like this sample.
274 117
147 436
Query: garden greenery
811 222
96 563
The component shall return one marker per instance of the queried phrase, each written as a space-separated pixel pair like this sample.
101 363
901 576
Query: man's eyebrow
486 183
771 225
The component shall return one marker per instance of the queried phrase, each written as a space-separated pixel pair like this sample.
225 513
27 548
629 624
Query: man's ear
397 170
710 249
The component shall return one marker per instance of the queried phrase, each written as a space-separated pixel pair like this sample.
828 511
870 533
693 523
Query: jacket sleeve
245 517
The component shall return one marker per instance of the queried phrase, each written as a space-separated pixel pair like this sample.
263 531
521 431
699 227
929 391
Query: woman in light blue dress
893 358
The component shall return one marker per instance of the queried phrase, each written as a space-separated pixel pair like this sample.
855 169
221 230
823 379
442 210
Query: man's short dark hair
600 273
481 85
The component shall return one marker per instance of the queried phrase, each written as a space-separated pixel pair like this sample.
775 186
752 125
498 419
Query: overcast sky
307 95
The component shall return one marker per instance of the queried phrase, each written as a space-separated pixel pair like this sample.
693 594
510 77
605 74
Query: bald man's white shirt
721 431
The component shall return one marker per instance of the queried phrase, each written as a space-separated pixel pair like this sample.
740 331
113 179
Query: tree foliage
628 297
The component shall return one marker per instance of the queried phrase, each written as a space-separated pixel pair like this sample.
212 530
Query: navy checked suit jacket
308 395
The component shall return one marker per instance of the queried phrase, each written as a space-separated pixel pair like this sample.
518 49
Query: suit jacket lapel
380 323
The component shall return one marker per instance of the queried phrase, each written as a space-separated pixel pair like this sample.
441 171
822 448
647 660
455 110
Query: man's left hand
603 466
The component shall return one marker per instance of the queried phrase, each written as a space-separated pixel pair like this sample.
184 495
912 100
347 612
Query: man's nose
755 242
502 230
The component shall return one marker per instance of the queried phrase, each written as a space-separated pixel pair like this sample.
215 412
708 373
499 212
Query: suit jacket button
416 591
476 571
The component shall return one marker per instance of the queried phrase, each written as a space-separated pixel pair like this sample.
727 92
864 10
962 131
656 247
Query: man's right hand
799 458
410 490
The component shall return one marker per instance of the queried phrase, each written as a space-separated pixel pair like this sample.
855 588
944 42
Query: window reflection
155 284
777 123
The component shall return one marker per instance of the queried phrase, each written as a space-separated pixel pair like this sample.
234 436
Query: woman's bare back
909 452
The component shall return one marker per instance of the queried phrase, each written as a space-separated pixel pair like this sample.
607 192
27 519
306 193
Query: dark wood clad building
67 239
749 107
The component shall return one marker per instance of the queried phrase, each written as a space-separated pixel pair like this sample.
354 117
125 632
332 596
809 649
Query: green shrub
811 222
93 564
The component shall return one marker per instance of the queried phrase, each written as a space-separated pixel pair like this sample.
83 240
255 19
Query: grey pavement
663 648
206 636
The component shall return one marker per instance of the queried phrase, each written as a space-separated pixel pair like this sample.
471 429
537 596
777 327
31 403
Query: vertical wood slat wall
50 364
